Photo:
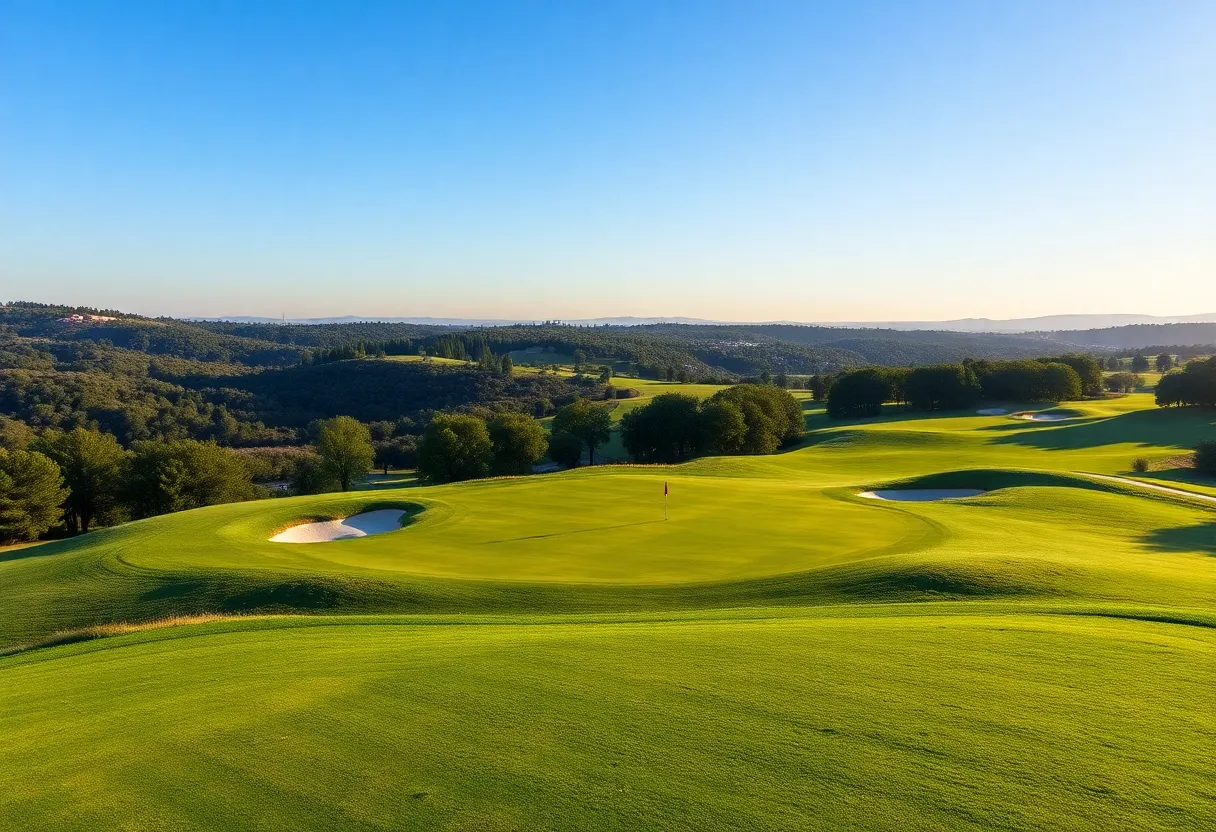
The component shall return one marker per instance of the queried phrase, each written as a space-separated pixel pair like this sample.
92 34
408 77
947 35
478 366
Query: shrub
1139 465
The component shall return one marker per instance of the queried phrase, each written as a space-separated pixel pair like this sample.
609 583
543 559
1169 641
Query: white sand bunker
1043 417
359 525
991 411
921 495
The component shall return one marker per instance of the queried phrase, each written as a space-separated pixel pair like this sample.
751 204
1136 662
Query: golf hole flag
664 499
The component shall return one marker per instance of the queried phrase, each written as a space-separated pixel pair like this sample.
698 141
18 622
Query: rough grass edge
118 628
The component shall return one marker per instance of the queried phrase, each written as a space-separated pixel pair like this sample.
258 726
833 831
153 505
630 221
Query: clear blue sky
738 160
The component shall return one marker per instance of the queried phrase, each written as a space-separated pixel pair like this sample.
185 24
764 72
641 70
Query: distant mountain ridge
1044 323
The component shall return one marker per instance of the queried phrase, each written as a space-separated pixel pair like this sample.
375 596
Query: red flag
664 488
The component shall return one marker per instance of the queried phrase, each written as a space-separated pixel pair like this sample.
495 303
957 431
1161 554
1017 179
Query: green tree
589 423
184 474
93 466
31 495
817 387
1087 369
723 427
773 417
15 435
345 448
1123 382
1165 362
605 374
666 430
1139 363
565 450
519 442
396 452
1114 364
454 448
1205 458
310 476
507 367
580 358
942 386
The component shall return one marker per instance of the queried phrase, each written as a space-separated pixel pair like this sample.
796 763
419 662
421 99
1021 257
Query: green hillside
549 653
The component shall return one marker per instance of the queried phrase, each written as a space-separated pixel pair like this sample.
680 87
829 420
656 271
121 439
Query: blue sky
735 160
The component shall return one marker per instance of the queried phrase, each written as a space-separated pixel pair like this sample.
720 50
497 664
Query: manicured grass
901 721
549 653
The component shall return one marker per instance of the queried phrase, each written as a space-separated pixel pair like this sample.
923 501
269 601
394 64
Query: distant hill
1046 323
1138 336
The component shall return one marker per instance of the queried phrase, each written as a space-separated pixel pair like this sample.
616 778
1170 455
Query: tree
860 393
15 435
1087 369
1139 363
722 426
31 495
584 420
345 448
817 387
184 474
1165 362
310 476
1205 458
1113 364
565 450
605 374
580 358
1194 384
773 418
1123 382
518 442
668 429
942 386
454 447
507 367
93 466
396 452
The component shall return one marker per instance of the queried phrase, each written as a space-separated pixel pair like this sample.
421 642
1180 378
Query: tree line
82 478
862 393
743 419
1193 385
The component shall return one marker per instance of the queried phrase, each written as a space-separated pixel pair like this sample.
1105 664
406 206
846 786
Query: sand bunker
359 525
991 411
921 495
1043 417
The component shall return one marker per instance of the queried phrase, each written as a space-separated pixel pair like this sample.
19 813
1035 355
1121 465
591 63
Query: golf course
549 652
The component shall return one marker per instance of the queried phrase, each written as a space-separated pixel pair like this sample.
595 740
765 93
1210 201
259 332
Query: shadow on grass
1166 427
1188 476
1197 538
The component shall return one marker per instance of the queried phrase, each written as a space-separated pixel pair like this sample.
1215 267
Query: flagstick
664 501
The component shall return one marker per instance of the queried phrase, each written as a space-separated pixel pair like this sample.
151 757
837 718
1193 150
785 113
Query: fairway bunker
358 525
921 495
991 411
1044 417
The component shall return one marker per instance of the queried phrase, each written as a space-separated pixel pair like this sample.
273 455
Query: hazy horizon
730 161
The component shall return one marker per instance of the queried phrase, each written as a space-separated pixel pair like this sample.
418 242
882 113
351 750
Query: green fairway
548 652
